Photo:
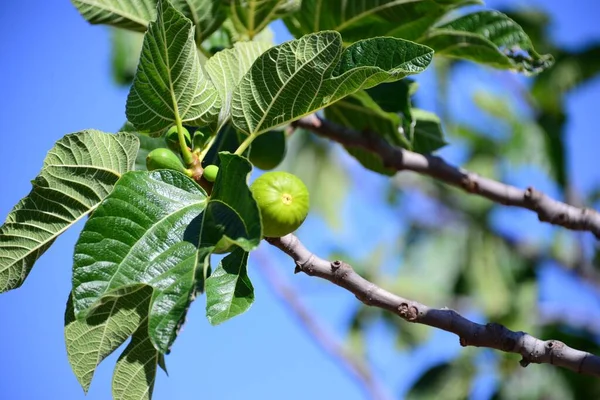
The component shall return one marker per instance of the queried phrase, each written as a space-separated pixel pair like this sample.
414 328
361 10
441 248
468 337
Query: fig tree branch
548 210
491 335
356 367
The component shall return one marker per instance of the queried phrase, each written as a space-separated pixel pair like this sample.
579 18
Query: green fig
210 173
283 202
268 150
162 158
172 139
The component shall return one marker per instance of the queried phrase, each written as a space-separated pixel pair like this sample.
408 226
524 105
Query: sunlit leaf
170 85
304 75
78 173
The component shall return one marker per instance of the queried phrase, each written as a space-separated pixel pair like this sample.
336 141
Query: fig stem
206 148
240 150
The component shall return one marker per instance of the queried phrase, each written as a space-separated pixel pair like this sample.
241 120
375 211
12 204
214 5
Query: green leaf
229 291
226 69
144 233
169 85
92 340
78 173
232 216
299 77
488 37
135 372
250 17
357 20
127 14
207 15
361 113
427 135
126 48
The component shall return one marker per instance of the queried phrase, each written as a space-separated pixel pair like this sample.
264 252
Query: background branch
495 336
355 366
547 209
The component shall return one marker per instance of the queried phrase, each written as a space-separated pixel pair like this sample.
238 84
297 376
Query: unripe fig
162 158
283 201
268 150
210 173
172 139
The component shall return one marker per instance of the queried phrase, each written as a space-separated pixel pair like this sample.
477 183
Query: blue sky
56 80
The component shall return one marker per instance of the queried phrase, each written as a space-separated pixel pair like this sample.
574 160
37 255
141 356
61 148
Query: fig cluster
282 198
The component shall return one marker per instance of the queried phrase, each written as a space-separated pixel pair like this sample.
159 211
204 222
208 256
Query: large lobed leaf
226 69
170 85
207 15
299 77
144 233
356 20
92 340
488 37
78 173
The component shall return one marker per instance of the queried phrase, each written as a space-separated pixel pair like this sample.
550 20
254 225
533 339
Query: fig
162 158
268 150
283 202
172 139
210 173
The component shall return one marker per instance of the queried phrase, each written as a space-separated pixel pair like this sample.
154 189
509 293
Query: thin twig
491 335
548 210
357 368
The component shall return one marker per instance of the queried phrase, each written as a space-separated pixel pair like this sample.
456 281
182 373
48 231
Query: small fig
268 150
172 139
199 140
162 158
210 173
283 202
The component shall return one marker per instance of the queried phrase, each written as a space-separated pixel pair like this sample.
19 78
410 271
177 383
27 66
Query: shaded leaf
92 340
126 48
357 20
487 37
299 77
135 372
229 291
144 233
250 17
128 14
169 85
78 173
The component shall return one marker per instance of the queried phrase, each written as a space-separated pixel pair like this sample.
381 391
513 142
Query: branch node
469 183
408 312
524 362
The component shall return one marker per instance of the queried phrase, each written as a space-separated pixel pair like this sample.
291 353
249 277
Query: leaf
301 76
250 17
207 15
144 233
229 291
226 69
78 173
357 20
135 372
427 135
232 215
169 85
488 37
126 48
128 14
362 114
92 340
